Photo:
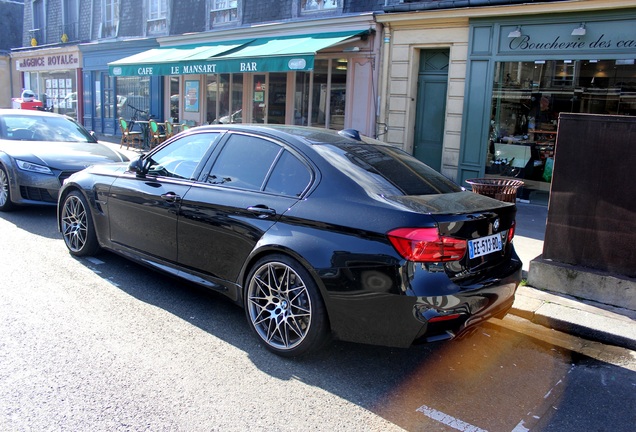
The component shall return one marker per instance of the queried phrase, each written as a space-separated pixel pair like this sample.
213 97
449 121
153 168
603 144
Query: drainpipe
382 125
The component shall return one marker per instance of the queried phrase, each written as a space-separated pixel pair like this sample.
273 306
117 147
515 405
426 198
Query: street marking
95 260
448 420
520 427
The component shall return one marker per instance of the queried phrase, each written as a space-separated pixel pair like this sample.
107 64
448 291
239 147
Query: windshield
42 128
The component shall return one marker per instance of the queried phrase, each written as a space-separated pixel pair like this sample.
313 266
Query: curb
595 322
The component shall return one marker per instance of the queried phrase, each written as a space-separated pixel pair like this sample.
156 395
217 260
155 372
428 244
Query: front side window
157 16
222 12
181 158
110 18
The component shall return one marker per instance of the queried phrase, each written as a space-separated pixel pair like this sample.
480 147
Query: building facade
49 62
471 88
308 62
11 13
477 91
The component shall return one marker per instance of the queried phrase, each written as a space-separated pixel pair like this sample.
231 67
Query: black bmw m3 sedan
318 234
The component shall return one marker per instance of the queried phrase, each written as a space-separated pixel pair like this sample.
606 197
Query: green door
432 87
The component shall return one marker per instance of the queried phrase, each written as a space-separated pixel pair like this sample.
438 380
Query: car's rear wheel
284 307
5 193
77 226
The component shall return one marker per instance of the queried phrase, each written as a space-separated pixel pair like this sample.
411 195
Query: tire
5 192
284 308
77 225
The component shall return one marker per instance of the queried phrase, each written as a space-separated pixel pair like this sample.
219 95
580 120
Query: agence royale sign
48 62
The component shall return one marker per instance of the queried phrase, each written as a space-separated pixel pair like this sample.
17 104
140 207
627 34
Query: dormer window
157 16
110 18
223 12
319 5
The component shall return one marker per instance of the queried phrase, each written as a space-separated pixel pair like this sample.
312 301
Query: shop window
157 16
310 6
237 98
528 98
338 95
277 98
132 99
110 18
222 12
301 98
320 95
174 99
224 98
60 92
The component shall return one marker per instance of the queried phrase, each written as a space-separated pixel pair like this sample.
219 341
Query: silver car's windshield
42 128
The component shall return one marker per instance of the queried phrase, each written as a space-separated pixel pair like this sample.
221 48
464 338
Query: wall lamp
579 31
515 33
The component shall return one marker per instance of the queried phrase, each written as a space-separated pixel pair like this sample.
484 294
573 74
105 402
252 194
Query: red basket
501 189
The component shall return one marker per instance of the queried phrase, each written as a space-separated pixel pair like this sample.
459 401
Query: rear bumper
428 307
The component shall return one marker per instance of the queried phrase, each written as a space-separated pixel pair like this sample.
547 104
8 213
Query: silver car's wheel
284 308
5 193
77 226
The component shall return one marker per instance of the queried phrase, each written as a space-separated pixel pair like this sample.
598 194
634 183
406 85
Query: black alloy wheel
5 193
284 307
77 226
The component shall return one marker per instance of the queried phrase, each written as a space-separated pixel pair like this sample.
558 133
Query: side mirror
137 166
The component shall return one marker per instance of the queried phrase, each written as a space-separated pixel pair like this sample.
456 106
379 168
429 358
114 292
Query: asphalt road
102 344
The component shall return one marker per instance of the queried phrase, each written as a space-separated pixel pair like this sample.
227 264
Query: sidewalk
582 318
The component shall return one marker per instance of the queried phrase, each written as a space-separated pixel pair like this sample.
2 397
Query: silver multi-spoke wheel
77 228
283 308
5 197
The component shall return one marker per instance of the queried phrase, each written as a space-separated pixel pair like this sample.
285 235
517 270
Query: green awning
281 54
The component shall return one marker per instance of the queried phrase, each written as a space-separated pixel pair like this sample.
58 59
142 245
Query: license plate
484 246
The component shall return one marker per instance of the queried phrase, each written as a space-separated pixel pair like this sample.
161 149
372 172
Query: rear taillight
511 231
426 245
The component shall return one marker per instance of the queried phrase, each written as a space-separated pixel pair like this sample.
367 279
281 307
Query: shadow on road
37 220
475 378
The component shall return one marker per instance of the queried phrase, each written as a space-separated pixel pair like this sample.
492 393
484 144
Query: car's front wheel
5 193
284 307
77 226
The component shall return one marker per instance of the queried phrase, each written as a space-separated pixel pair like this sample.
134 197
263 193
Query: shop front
54 75
523 72
284 76
106 98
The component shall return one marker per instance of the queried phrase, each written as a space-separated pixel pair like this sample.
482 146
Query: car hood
448 203
62 155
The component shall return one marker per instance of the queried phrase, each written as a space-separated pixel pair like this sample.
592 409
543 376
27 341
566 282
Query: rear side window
244 162
289 176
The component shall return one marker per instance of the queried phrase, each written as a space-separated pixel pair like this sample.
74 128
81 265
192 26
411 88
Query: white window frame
222 6
318 6
157 12
113 5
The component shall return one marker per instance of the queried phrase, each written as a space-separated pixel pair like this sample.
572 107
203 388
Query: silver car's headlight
29 166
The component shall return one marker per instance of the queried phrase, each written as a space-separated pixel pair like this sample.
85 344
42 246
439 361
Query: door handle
171 197
262 210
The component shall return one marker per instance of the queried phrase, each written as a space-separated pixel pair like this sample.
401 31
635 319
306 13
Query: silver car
39 150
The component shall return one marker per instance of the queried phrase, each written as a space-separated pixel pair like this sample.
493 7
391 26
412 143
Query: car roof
306 134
